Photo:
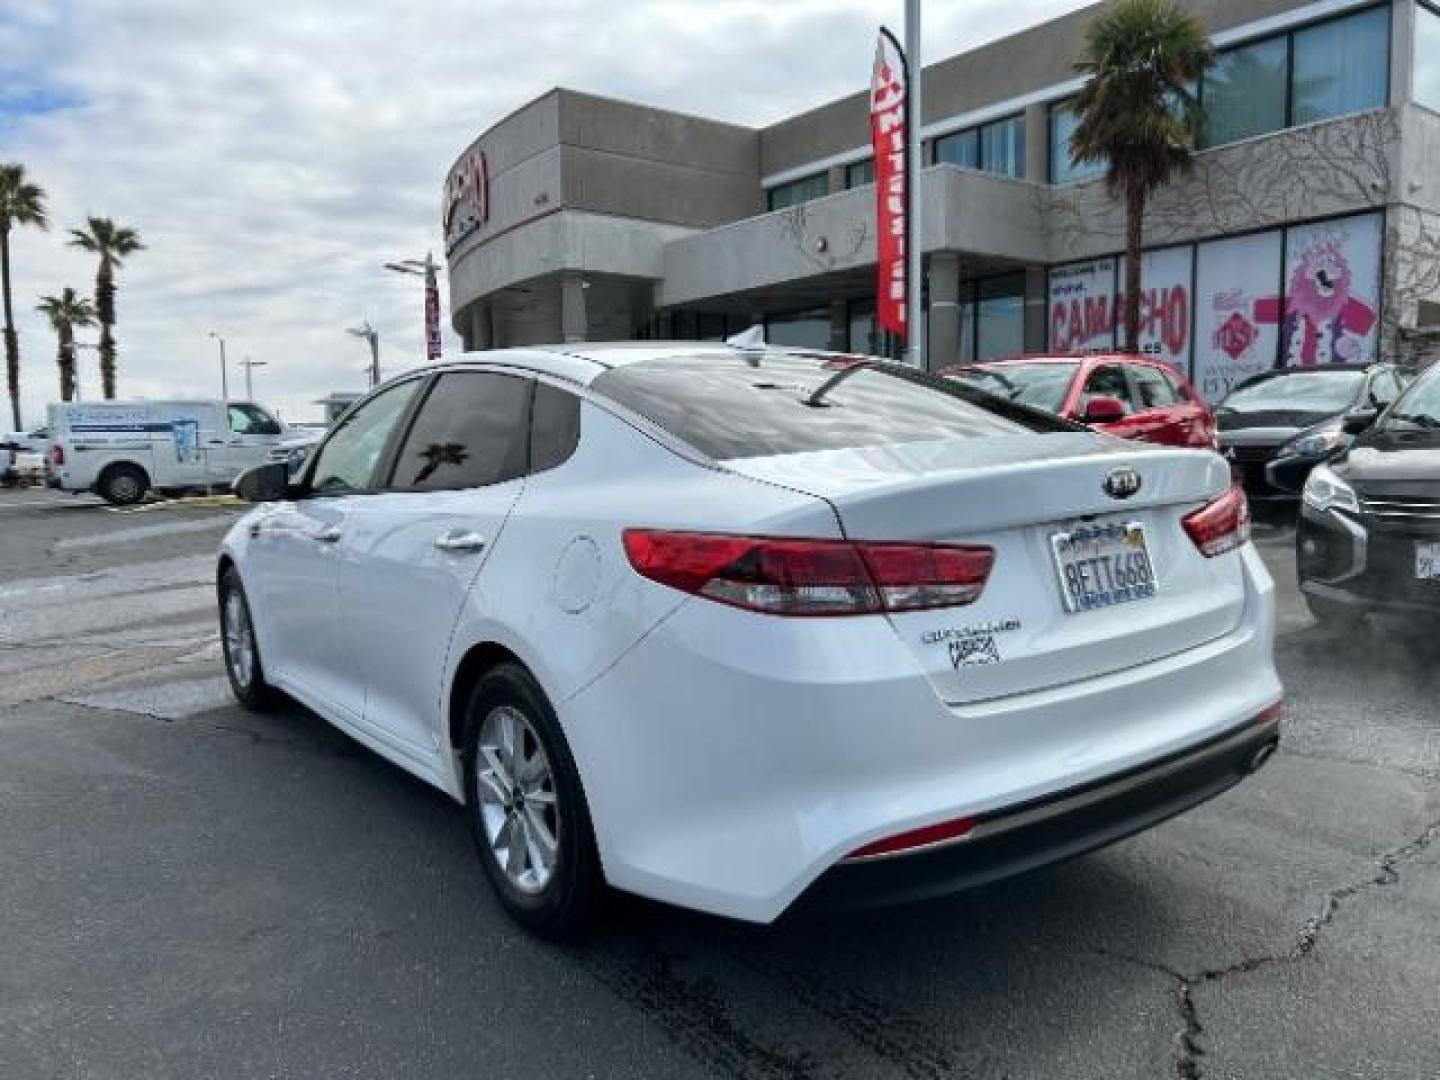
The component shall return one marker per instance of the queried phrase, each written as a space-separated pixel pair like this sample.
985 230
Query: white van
122 449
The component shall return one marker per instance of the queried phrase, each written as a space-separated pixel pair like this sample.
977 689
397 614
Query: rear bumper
1050 830
730 762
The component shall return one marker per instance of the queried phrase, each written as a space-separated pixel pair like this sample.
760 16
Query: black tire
123 485
564 907
1333 615
247 681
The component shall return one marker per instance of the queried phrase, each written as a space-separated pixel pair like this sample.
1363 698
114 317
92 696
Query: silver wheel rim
518 807
238 647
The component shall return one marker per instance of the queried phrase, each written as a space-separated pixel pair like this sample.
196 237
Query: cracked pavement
189 890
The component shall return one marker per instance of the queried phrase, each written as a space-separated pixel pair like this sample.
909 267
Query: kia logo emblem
1122 483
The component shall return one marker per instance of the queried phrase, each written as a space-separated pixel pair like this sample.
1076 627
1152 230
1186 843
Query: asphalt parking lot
188 890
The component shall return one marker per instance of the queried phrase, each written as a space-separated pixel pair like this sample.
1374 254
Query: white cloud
274 155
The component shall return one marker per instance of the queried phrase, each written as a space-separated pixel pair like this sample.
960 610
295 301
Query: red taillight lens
916 838
57 454
810 577
1222 525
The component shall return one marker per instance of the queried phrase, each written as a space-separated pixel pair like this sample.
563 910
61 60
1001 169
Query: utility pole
914 261
249 365
429 269
372 337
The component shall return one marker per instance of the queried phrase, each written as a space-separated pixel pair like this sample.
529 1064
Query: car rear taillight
781 576
929 836
57 454
1221 525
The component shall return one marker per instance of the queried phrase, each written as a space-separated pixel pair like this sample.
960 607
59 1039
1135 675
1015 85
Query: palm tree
21 203
112 243
1138 113
66 312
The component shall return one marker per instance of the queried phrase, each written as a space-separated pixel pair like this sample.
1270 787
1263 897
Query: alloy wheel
239 651
517 799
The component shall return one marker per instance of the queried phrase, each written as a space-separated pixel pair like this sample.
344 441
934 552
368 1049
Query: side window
346 463
554 427
252 420
471 431
1108 382
1153 389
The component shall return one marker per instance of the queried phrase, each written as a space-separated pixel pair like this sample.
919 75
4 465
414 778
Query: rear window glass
1043 386
752 405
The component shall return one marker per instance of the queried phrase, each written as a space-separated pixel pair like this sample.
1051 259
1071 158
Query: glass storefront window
800 329
1341 67
864 334
860 174
1000 317
1427 56
1002 147
1245 92
798 191
1062 169
962 148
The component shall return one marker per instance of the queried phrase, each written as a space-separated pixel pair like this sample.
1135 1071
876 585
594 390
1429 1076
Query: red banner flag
887 136
432 315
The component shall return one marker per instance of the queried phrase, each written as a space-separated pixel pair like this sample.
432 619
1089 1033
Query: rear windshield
1042 385
756 404
1300 391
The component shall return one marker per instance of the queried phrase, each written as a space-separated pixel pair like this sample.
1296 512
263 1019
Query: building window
1341 67
961 148
1000 317
1427 56
800 329
1063 168
860 173
1245 92
998 147
798 191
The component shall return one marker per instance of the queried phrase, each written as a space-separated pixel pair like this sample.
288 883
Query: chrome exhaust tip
1262 754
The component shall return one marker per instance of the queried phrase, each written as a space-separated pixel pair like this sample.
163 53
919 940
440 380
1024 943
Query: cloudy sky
274 153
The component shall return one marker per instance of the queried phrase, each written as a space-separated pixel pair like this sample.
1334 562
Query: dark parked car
1293 418
1368 538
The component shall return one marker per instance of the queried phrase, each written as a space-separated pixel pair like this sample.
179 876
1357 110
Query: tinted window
1342 66
862 172
1420 408
1042 386
347 461
961 148
471 431
1108 381
247 419
1063 168
767 403
1245 92
1002 147
1154 389
798 191
554 427
1427 57
1313 391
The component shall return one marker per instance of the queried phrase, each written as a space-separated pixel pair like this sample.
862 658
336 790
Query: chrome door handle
460 542
328 535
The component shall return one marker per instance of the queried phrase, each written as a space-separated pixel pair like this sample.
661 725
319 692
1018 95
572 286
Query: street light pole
429 269
224 374
249 365
372 337
914 261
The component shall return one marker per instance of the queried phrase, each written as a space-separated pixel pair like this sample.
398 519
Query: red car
1133 397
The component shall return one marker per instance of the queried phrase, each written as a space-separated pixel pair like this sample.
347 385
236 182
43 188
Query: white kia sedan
753 629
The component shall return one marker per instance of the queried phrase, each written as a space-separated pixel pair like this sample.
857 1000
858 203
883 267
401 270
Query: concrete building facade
1308 231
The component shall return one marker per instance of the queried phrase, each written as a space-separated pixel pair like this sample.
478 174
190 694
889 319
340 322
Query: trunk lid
1015 493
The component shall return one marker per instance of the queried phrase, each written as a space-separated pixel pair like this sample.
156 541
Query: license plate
1101 566
1427 560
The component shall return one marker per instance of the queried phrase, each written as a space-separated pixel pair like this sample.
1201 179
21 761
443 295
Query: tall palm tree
66 312
21 203
1138 113
112 243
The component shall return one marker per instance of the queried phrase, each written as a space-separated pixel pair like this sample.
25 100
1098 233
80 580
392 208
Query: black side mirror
1359 421
263 483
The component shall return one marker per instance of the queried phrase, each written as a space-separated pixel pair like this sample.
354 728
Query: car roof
583 362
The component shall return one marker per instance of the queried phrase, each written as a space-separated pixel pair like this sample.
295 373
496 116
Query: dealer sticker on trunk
1103 565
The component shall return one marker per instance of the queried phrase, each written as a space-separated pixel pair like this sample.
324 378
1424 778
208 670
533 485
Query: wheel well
116 466
480 659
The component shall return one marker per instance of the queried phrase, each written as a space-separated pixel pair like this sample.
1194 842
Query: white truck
122 449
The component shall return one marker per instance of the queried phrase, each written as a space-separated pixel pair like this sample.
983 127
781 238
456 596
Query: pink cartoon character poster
1332 273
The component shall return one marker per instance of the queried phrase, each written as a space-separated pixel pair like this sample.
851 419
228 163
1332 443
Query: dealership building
1307 232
